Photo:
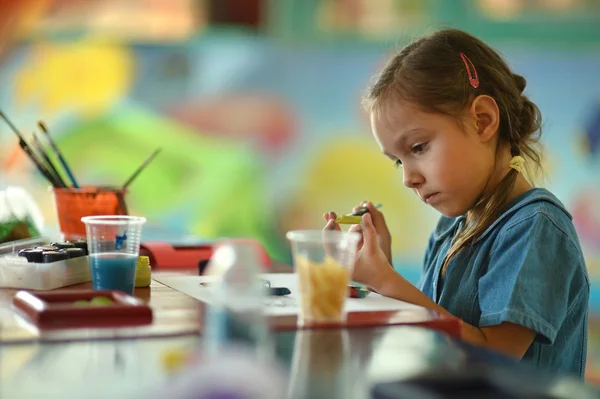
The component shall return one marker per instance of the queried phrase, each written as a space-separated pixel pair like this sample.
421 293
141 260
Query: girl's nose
412 178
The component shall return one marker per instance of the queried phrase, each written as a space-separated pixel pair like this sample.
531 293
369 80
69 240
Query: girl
504 258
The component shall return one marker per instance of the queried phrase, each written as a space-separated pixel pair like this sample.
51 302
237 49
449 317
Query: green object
211 186
81 303
15 229
101 301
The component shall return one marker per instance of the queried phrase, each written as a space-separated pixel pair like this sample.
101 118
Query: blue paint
111 271
120 240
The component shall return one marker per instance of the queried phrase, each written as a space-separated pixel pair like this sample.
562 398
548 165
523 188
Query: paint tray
57 309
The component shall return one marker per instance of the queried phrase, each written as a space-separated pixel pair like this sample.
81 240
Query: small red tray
48 310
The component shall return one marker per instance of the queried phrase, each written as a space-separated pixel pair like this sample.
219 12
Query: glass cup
114 246
74 203
324 261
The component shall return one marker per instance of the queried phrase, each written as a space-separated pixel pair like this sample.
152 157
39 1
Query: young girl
504 258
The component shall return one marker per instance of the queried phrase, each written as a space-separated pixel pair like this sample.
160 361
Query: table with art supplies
74 342
97 312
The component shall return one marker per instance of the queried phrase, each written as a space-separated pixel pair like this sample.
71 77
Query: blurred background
256 104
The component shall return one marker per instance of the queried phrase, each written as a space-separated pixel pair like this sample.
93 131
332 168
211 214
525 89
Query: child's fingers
357 208
369 232
329 215
376 216
372 210
332 225
356 227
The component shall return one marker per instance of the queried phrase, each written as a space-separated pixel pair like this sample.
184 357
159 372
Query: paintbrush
49 164
12 127
38 164
58 154
141 168
23 144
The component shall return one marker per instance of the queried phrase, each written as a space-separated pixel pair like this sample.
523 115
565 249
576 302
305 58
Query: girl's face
446 165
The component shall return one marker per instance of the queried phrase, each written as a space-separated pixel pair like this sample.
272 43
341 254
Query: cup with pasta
323 262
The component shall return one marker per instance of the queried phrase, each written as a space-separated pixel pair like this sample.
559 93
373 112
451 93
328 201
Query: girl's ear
487 117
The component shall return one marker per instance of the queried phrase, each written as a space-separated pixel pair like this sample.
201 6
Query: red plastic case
48 310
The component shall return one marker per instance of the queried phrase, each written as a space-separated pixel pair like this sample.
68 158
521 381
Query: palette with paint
38 265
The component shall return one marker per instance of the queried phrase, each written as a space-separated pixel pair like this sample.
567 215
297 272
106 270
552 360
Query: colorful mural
259 138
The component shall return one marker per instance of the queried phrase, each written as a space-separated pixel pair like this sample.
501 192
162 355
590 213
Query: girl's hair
443 73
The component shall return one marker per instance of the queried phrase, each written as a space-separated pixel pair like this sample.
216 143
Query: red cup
74 203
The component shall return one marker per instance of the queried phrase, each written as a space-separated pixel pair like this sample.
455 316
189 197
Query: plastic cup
114 246
323 261
74 203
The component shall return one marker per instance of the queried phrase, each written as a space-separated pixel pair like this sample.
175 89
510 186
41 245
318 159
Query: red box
49 310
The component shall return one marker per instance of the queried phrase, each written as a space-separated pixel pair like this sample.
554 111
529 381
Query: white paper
280 305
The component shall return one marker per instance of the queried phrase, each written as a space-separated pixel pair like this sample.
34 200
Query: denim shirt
527 268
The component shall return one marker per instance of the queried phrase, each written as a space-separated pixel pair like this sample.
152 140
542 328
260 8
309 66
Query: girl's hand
372 266
384 238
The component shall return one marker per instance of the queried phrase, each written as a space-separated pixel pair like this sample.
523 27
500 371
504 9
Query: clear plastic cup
114 246
323 261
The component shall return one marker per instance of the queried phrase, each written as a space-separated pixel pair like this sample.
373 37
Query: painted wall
260 138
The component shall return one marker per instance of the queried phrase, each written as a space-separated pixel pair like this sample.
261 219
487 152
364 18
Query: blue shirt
527 268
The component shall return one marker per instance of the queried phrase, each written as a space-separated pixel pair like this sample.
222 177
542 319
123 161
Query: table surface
176 314
126 363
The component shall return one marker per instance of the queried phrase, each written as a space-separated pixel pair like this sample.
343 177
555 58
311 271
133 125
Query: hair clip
474 81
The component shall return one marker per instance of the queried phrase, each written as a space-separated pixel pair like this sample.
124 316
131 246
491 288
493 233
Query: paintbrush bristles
43 127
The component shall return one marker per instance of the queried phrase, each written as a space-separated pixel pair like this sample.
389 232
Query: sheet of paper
279 305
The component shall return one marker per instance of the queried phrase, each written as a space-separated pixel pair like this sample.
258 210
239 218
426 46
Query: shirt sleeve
529 277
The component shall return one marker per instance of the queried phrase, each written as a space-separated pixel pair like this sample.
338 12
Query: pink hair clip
474 81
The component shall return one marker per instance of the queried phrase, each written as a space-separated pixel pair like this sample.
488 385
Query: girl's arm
507 338
373 269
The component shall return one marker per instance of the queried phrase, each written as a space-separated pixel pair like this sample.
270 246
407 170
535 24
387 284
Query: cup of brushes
72 201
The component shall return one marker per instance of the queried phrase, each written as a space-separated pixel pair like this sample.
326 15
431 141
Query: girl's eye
398 163
418 148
